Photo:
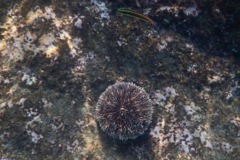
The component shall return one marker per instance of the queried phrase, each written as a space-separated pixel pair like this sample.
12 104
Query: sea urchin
124 111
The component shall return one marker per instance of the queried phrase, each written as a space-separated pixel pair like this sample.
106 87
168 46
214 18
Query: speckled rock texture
57 57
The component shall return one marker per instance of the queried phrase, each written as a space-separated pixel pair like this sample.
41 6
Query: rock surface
57 57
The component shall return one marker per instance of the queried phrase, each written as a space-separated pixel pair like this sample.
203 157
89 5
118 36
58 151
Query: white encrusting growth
35 137
17 44
21 41
102 9
30 80
78 21
233 90
47 45
161 96
183 132
191 11
227 147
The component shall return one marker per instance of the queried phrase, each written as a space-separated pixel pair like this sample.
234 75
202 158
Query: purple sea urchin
124 111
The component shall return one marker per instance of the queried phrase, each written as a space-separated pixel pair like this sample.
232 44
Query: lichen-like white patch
21 101
73 43
160 96
108 59
29 37
101 7
30 129
162 45
3 45
36 119
12 89
171 9
215 78
205 138
184 147
190 46
79 70
191 11
90 55
52 51
164 8
208 144
233 91
31 112
192 68
78 23
236 121
73 147
170 92
19 41
46 103
47 39
163 42
122 41
35 137
14 44
79 123
33 15
170 108
181 132
47 45
191 108
175 134
3 104
49 13
57 127
46 14
156 131
6 81
226 147
204 94
30 80
10 104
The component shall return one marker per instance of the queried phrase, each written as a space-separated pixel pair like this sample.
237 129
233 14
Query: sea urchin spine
124 111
